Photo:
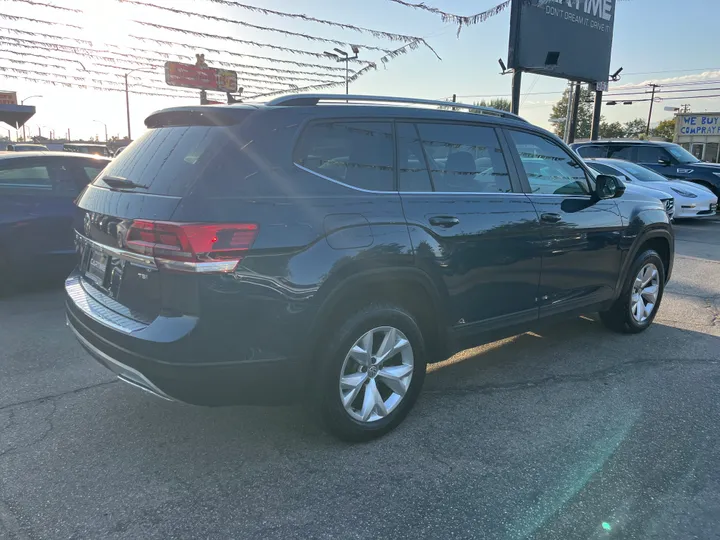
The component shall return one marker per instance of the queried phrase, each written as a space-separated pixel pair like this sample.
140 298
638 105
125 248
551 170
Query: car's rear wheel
639 301
371 372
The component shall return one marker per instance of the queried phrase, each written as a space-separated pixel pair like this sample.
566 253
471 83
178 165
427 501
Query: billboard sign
570 39
8 98
200 77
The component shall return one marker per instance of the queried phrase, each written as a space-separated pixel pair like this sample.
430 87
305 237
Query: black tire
619 317
326 403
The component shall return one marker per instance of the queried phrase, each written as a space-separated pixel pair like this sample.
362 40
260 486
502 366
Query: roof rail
299 100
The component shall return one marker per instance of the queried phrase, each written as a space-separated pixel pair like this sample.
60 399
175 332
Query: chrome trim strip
341 183
313 99
97 311
404 192
124 373
198 267
129 256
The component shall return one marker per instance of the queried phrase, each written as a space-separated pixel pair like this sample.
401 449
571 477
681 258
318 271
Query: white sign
699 124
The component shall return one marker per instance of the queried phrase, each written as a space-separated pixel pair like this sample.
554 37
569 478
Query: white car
691 200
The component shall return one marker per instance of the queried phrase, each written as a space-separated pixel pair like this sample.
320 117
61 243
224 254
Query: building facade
699 133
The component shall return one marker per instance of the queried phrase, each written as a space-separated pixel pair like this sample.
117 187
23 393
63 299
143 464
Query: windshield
682 155
641 173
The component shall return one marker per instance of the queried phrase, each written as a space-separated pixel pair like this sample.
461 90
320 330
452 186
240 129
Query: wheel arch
659 239
409 287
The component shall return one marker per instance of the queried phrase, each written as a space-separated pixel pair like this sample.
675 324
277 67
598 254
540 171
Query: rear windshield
172 160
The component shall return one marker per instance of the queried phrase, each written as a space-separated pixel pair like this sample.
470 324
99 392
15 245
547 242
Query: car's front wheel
372 370
639 301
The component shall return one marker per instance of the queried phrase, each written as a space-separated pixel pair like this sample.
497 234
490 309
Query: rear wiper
120 182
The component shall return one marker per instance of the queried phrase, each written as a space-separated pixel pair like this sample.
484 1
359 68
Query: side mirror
664 162
608 186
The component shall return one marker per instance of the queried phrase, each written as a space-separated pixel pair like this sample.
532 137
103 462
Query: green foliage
665 129
635 128
585 114
498 103
614 130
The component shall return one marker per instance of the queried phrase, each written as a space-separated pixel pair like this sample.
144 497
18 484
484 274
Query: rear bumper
150 360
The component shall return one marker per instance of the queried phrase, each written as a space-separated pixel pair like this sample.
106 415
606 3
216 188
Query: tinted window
19 176
620 152
680 154
356 153
464 158
172 160
641 173
651 154
602 169
549 168
592 151
413 173
92 171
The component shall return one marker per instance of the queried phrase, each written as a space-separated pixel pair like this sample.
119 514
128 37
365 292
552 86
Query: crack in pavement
56 396
49 418
606 373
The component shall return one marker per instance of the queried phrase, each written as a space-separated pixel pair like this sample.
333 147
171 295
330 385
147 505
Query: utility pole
568 113
574 116
652 102
516 85
685 108
127 95
597 111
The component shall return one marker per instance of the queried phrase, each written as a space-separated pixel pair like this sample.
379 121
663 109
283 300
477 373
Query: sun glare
104 21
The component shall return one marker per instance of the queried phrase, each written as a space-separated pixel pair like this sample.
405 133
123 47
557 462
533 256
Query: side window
549 168
592 151
413 173
617 151
464 158
356 153
604 169
651 154
23 178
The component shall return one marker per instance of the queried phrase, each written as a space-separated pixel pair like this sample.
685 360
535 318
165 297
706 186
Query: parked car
37 190
670 160
82 148
691 200
26 147
268 253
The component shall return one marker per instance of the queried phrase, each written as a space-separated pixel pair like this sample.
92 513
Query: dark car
83 148
37 190
670 160
28 147
268 253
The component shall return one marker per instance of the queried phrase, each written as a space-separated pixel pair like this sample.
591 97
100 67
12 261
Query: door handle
551 218
444 221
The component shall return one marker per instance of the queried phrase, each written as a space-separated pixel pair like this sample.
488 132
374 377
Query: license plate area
96 267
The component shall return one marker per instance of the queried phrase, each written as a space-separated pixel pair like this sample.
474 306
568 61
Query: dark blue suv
301 249
37 190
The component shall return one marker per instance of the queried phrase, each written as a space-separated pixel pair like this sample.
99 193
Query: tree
498 103
611 131
585 114
665 129
635 128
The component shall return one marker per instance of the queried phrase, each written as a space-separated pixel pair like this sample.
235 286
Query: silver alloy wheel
376 374
645 292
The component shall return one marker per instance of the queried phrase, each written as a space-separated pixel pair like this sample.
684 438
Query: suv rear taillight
192 247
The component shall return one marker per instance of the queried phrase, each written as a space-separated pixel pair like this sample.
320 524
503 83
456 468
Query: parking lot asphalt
567 432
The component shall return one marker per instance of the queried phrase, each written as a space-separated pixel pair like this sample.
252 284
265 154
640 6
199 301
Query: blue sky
663 36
